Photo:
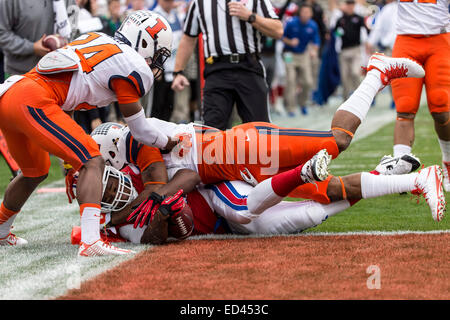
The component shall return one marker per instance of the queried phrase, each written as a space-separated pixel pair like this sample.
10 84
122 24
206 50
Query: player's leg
55 132
406 94
290 217
427 182
23 185
272 191
269 149
228 199
52 130
437 84
33 162
381 70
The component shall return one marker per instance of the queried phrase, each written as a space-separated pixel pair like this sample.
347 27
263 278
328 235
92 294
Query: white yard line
318 234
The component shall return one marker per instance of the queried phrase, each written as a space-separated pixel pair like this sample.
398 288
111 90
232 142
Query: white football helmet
150 35
107 136
118 190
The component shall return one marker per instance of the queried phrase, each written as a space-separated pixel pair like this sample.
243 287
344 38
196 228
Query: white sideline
317 234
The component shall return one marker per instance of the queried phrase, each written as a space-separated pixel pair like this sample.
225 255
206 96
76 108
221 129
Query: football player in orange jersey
92 71
245 152
423 35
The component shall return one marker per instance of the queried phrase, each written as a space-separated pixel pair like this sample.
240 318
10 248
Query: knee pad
406 104
438 100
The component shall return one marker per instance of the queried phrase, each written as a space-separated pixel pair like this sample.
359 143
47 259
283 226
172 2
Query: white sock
262 197
360 101
5 227
401 149
373 186
90 225
131 234
445 148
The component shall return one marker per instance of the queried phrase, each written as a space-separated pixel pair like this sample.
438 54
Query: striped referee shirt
222 33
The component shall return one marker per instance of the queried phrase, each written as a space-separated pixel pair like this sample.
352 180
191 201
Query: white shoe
394 68
100 248
316 168
446 169
12 240
404 164
429 184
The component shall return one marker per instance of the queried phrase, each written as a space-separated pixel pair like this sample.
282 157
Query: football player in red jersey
223 207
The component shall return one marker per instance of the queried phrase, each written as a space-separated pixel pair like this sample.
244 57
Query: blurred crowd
324 45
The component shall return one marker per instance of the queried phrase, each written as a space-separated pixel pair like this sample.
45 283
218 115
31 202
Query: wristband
153 182
175 73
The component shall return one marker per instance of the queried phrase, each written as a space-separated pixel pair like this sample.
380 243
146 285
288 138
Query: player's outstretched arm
142 130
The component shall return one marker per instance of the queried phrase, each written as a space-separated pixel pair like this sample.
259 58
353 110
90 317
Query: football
181 224
54 41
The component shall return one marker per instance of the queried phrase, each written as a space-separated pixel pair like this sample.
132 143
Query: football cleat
404 164
100 248
106 235
429 184
446 169
316 168
394 68
12 240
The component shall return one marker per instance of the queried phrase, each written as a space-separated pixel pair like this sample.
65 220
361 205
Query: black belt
232 58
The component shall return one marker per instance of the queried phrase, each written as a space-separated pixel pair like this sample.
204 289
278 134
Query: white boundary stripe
318 234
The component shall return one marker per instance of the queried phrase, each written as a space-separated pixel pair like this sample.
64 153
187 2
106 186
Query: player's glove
173 205
71 180
146 210
168 206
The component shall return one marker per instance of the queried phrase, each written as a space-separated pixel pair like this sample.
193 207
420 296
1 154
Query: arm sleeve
125 89
148 155
144 132
9 41
191 24
266 10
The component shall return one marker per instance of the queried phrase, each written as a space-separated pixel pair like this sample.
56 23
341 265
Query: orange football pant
34 125
433 52
262 150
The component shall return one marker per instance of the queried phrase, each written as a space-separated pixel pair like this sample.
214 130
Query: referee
233 73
